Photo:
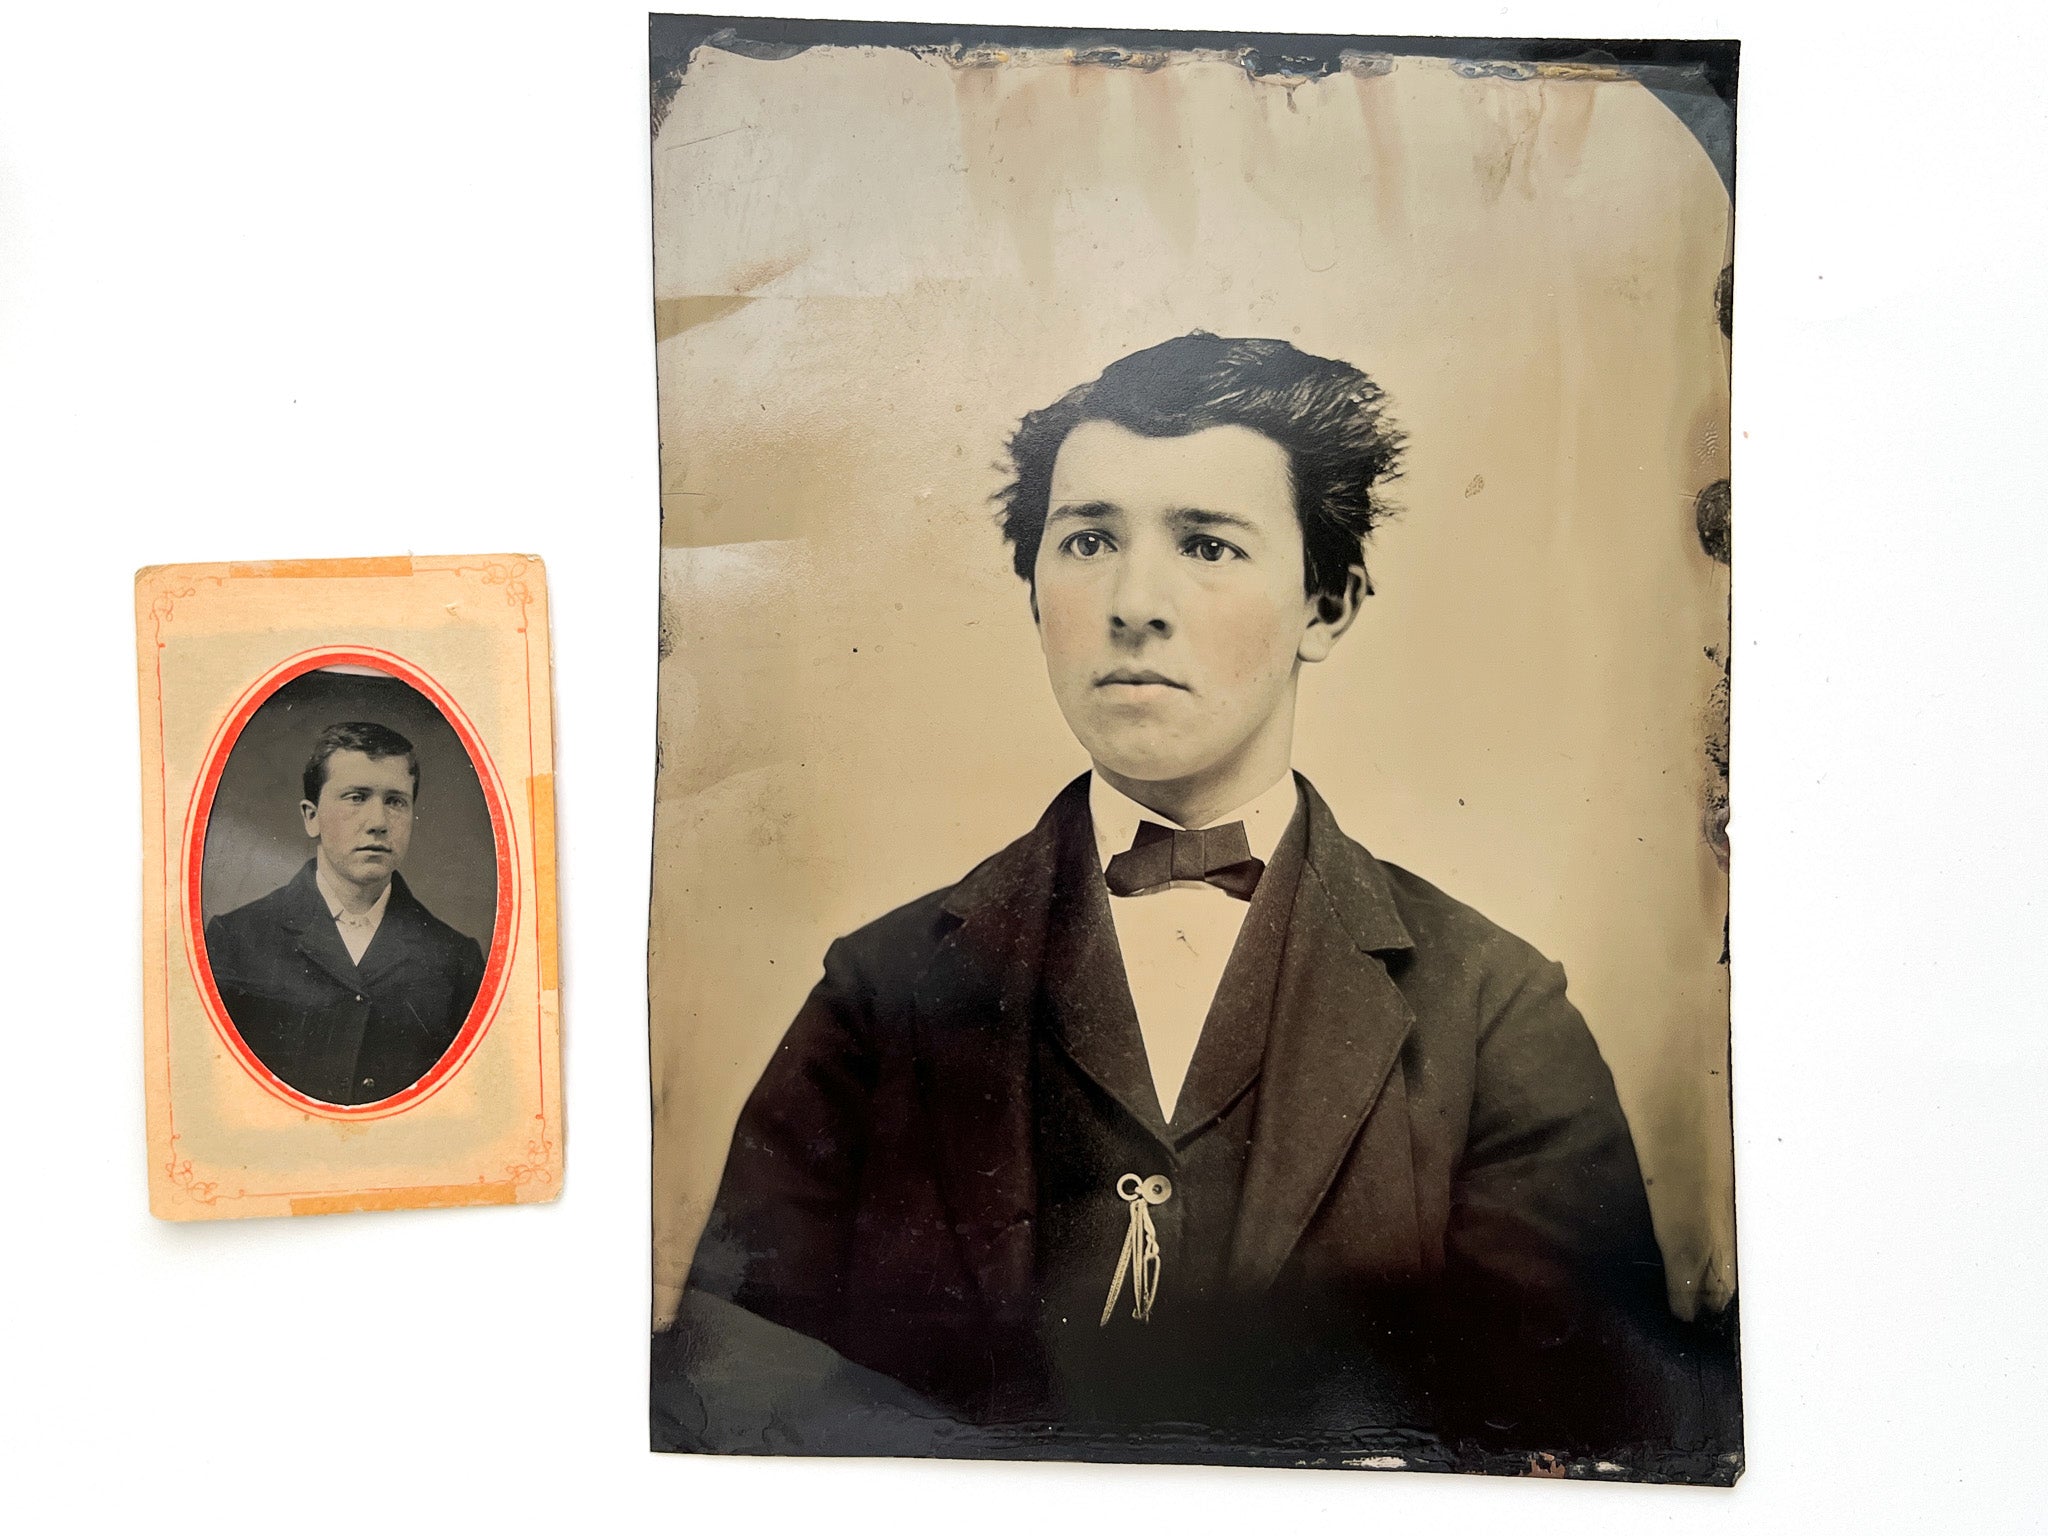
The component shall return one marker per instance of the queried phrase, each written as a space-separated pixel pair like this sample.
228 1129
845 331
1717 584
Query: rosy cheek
1244 640
1063 627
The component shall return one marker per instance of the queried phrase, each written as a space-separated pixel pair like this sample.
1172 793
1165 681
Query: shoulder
1485 995
1445 954
902 941
1001 902
1391 910
263 915
1475 986
427 931
913 929
1444 927
1491 1019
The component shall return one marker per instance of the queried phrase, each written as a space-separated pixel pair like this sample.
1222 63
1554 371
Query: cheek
1065 632
1248 638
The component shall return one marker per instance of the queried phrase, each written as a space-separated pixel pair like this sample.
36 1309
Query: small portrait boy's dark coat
337 1030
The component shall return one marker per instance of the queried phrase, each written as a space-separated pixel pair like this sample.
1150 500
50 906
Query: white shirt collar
1116 816
369 919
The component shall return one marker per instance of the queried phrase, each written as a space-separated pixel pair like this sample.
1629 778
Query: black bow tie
1160 855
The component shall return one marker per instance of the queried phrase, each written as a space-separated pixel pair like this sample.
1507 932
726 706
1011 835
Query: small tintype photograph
1191 830
350 938
320 846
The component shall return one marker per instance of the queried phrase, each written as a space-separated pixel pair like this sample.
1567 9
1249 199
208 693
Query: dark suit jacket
1442 1221
337 1031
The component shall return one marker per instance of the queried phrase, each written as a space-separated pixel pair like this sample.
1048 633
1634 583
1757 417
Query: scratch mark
708 137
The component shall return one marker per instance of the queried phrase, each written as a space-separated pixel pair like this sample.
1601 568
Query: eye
1086 544
1212 551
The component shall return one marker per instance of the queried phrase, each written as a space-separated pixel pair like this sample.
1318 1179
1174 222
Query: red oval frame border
497 967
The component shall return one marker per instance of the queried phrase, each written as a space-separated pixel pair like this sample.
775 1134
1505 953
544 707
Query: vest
1096 1119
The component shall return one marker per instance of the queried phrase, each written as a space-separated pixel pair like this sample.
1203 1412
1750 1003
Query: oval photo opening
349 885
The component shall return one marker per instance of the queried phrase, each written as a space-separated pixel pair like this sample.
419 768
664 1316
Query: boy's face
1171 605
364 818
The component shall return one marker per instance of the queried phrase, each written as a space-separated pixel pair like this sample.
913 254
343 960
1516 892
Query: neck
1198 799
355 898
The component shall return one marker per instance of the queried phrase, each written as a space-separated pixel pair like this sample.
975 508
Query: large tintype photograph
1190 860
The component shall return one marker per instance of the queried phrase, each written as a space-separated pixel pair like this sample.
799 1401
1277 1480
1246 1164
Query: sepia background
871 262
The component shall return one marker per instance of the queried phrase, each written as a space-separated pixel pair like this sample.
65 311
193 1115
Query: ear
1330 614
309 813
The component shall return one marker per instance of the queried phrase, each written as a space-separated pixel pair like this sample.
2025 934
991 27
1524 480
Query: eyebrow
1084 512
1180 517
1199 517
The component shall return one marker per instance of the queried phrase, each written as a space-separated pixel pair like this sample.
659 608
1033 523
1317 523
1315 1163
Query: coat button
369 1082
359 997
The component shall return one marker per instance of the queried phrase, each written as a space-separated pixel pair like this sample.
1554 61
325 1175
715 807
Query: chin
1146 767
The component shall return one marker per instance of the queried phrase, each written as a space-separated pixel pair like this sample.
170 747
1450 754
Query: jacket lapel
1232 1047
1087 993
313 930
391 947
1337 1028
973 1007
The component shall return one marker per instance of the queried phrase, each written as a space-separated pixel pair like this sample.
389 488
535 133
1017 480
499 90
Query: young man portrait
341 982
1183 1120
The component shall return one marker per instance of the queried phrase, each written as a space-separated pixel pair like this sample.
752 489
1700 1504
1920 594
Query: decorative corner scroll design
537 1170
163 605
509 574
164 602
183 1176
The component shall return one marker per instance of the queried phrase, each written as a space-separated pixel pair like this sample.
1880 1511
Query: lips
372 848
1132 678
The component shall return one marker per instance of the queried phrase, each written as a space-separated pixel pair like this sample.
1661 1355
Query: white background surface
353 280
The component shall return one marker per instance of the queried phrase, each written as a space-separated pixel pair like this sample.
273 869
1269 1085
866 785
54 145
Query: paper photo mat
484 1127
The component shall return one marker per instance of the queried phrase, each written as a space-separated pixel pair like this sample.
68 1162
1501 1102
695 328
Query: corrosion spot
1714 791
1710 516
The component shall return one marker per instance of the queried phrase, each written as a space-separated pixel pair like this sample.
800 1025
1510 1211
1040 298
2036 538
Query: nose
1141 598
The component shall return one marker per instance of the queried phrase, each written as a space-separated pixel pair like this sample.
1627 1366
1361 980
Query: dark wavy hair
1328 416
373 741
